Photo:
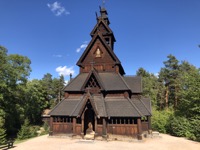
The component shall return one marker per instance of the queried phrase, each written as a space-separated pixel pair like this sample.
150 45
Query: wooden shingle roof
104 107
109 81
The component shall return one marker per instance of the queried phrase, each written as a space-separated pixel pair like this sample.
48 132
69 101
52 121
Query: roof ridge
77 105
124 81
92 100
146 106
98 79
97 25
131 76
104 105
134 106
89 97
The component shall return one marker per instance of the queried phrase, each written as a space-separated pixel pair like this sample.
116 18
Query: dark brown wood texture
123 129
62 127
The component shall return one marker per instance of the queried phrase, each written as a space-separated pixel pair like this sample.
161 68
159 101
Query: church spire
103 17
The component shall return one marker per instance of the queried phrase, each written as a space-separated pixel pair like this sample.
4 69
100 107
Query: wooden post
104 132
82 127
95 125
74 126
139 126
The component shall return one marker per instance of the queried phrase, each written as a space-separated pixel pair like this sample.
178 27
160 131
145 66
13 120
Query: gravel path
166 142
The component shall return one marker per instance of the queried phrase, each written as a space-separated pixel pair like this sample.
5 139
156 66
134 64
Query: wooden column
74 126
95 126
139 126
149 124
82 127
104 131
51 126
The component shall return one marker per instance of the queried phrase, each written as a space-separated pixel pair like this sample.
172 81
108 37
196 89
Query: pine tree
25 131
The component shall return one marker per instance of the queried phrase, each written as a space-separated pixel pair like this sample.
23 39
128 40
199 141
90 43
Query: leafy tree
160 120
2 129
34 101
14 73
149 85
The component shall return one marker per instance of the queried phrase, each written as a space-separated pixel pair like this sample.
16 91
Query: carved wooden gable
92 83
98 55
101 27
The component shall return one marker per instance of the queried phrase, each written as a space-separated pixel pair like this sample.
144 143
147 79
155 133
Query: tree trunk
167 97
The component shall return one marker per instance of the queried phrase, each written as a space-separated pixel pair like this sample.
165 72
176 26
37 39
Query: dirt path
166 142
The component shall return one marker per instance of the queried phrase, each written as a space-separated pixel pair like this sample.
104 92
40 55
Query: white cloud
65 71
83 46
58 55
156 74
57 9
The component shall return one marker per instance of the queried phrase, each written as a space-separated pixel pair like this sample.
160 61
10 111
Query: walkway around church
166 142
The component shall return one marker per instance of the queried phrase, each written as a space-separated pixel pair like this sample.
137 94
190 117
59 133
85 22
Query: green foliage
46 128
160 120
27 131
2 129
149 85
195 130
190 94
180 126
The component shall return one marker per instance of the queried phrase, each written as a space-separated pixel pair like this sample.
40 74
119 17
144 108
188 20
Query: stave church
101 100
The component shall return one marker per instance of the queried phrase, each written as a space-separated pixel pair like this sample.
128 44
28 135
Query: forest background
174 93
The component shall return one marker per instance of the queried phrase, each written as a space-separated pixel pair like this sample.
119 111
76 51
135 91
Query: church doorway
89 121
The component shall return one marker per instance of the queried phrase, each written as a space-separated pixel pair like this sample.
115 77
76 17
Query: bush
2 132
2 129
180 126
160 120
46 127
195 129
27 131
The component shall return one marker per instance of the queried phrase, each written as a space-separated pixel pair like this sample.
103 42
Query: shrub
160 120
27 131
179 126
2 129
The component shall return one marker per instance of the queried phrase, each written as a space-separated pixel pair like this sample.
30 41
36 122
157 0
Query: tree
14 73
25 131
35 101
2 129
149 85
169 76
190 92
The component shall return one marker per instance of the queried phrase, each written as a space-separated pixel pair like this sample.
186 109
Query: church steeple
100 50
102 27
104 17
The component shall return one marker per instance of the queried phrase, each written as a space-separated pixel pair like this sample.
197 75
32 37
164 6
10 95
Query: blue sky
54 33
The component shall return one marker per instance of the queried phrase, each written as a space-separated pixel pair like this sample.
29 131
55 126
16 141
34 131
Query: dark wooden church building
101 99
